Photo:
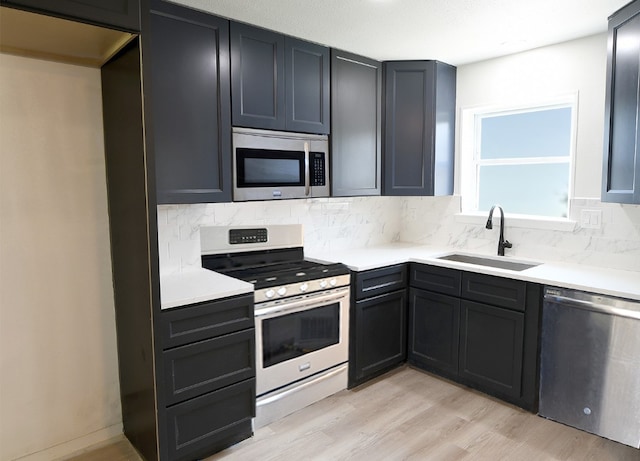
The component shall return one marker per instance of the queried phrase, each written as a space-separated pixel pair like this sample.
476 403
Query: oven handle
281 395
307 174
304 304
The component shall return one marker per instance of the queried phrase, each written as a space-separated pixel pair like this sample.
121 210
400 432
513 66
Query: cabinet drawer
208 365
201 426
375 282
201 321
433 278
498 291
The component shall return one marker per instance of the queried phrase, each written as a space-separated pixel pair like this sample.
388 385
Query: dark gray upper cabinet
621 169
356 124
118 14
306 86
278 82
190 119
257 75
419 128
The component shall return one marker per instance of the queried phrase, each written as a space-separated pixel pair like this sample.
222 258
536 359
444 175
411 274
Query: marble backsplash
339 223
615 244
328 224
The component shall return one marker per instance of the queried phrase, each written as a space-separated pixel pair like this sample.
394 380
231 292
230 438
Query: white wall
59 387
577 66
548 72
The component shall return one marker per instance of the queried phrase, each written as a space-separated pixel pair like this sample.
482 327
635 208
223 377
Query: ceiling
453 31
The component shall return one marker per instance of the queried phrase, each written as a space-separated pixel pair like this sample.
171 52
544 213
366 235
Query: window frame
470 162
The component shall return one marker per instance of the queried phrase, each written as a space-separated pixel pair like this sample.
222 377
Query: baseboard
76 446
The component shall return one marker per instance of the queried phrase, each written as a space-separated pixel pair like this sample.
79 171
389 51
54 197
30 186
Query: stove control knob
323 284
333 282
304 287
269 293
282 291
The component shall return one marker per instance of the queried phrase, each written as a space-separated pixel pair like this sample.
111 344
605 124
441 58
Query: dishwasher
590 363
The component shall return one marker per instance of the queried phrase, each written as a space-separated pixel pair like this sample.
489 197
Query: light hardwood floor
409 415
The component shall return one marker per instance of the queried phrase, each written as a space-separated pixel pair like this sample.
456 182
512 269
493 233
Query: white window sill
526 222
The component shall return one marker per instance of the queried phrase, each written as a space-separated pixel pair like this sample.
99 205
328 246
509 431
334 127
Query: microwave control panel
317 168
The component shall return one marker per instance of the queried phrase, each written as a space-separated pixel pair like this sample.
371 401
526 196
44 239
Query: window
519 158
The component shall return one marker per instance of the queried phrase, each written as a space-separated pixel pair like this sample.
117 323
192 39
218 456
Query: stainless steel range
301 311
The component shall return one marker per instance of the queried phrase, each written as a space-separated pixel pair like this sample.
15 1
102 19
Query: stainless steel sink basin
491 262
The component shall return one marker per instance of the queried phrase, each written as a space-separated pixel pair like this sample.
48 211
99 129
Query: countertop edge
612 282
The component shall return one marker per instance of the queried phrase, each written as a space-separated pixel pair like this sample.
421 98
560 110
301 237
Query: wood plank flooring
409 415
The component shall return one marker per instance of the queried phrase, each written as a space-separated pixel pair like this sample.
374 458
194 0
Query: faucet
502 243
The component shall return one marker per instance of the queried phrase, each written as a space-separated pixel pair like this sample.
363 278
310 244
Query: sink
491 262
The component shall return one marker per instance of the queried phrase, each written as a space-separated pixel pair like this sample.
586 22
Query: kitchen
329 223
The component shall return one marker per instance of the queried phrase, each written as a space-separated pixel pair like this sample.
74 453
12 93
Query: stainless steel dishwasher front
590 363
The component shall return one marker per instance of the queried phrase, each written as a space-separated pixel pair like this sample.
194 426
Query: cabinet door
306 86
356 127
621 170
434 325
257 77
118 14
491 347
419 128
189 80
380 335
202 426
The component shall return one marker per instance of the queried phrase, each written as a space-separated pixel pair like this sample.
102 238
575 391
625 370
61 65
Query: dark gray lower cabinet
381 335
208 366
479 330
378 323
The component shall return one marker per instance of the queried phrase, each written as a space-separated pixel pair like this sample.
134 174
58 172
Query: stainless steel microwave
271 165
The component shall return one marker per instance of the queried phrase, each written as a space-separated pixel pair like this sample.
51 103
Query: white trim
520 221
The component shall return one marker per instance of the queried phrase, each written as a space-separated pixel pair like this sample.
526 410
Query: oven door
300 337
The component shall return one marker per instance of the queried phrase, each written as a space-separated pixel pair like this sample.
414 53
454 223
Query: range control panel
238 236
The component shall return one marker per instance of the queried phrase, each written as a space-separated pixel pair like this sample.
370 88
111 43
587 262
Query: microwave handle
307 180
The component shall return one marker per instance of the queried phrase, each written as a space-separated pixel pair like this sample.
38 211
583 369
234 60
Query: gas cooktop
274 269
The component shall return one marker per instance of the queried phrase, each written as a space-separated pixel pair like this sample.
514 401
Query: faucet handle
507 244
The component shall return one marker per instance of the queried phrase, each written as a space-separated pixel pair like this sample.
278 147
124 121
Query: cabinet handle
306 169
619 308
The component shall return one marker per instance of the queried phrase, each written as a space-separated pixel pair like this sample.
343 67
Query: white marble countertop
198 285
625 284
